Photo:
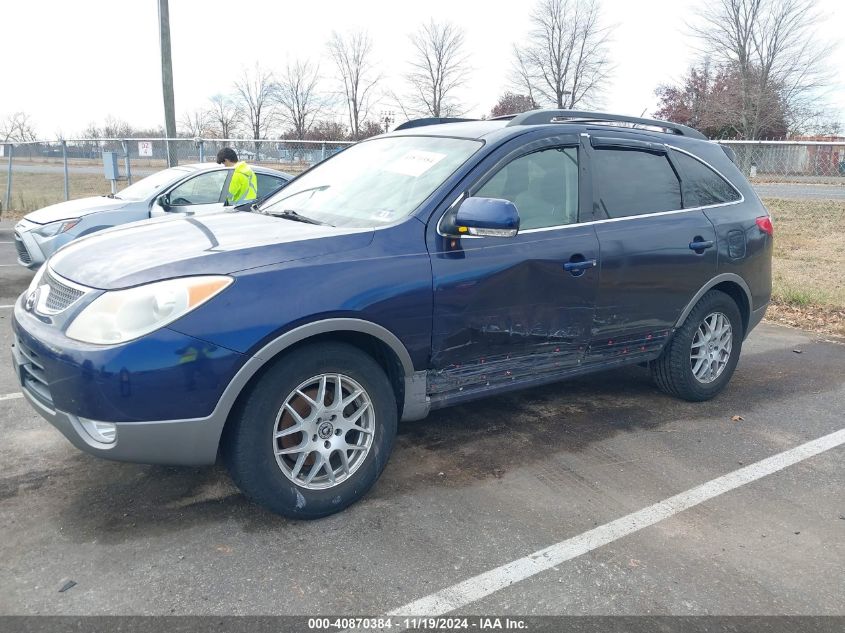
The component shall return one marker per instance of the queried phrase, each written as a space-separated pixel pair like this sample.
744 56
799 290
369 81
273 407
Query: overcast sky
69 63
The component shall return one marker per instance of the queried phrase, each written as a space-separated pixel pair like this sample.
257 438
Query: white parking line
11 396
8 306
460 595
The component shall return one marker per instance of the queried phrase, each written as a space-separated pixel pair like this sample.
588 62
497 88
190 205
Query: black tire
672 371
248 449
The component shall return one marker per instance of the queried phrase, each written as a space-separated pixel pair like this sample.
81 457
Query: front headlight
122 315
54 228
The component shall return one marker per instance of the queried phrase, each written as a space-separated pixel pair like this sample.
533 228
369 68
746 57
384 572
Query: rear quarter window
701 185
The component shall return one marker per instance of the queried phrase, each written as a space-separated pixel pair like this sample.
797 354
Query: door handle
701 245
578 268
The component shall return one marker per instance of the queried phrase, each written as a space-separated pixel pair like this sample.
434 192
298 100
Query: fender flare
324 326
416 404
718 279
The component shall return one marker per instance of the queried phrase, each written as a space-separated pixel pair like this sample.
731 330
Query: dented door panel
505 310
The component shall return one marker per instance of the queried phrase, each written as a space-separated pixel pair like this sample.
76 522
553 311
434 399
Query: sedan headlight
54 228
122 315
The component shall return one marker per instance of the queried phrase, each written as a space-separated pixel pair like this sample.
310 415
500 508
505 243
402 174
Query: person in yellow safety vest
243 186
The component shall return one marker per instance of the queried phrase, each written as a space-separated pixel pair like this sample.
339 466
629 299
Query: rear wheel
315 431
701 357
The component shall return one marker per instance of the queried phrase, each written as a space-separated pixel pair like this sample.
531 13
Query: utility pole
167 79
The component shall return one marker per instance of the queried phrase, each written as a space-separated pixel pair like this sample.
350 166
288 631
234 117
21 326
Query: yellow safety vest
243 186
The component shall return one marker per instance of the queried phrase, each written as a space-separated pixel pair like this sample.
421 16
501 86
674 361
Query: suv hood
74 209
220 243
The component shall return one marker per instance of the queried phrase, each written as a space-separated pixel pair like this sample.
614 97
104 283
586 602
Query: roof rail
540 117
430 121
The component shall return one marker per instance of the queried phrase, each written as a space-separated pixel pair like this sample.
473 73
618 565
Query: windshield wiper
289 214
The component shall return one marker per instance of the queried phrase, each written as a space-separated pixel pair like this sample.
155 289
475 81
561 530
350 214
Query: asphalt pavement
472 490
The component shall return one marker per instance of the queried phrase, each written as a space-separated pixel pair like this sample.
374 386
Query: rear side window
267 184
702 186
632 182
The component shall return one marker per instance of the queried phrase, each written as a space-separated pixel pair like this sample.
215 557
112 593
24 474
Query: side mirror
164 201
487 217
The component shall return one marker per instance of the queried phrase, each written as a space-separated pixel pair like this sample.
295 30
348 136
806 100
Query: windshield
375 182
149 186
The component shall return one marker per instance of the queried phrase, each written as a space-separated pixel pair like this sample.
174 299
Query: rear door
655 255
268 184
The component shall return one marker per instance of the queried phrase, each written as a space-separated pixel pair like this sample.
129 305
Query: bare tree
439 66
565 59
352 54
224 115
778 57
196 123
116 128
17 127
254 95
298 97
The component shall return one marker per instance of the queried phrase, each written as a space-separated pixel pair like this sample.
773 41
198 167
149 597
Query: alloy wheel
711 347
324 431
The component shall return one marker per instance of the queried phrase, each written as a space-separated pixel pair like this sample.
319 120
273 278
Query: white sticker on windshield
415 163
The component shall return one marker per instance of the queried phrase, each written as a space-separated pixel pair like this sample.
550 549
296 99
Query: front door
510 311
203 193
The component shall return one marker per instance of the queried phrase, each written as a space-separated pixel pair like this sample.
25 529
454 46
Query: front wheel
315 431
701 357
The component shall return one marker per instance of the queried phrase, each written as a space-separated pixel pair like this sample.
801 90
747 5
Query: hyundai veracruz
431 266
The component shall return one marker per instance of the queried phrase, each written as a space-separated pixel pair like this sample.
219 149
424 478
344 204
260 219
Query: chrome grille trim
61 296
58 294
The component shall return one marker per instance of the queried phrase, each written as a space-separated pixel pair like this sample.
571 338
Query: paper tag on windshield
415 163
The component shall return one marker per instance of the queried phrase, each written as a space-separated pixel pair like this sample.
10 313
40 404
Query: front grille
33 378
23 254
60 296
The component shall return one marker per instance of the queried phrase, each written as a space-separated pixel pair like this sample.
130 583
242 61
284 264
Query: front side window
375 182
632 182
543 185
702 186
202 189
152 185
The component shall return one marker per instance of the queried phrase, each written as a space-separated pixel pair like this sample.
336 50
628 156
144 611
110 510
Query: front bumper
30 253
134 388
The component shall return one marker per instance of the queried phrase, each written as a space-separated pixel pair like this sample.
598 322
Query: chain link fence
791 161
34 175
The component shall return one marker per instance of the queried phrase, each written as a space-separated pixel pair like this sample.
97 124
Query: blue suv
441 263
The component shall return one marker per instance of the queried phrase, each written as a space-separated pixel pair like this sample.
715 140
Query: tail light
765 225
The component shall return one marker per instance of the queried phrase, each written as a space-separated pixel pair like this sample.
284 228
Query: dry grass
33 191
808 269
